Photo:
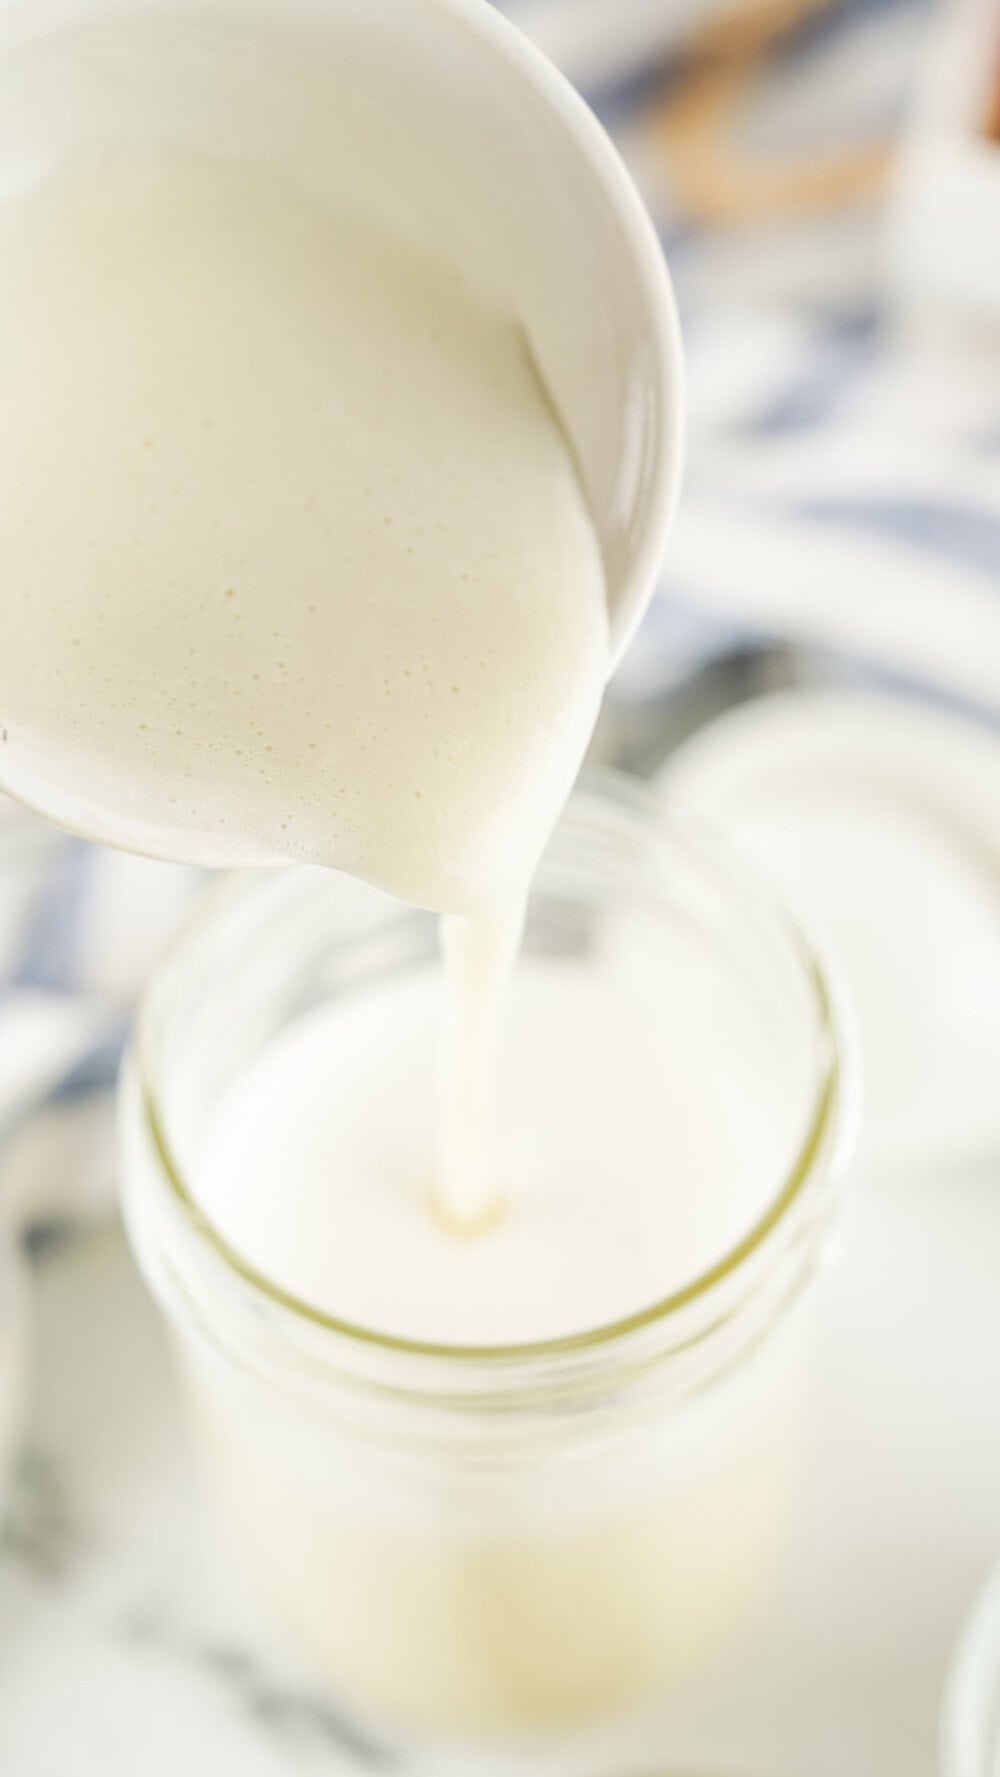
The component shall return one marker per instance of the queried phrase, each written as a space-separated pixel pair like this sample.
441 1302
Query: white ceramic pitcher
491 146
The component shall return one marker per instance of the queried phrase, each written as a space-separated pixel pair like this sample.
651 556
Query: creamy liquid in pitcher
293 550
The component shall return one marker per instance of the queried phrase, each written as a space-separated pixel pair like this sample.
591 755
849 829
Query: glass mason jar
970 1721
482 1543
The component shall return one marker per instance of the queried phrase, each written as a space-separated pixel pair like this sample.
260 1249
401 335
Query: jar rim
827 1139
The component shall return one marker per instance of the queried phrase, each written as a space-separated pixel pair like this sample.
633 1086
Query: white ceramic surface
942 249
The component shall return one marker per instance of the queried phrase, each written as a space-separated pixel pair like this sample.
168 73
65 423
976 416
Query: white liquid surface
623 1178
292 545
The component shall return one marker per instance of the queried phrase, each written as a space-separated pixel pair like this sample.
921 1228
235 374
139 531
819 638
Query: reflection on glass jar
970 1725
485 1541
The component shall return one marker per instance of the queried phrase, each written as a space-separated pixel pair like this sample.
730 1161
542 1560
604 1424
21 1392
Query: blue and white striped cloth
79 929
843 484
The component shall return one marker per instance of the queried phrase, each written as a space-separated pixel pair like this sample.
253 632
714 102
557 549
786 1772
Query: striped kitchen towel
843 482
